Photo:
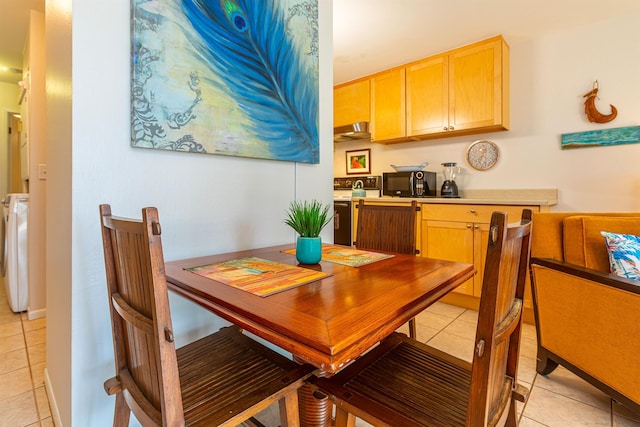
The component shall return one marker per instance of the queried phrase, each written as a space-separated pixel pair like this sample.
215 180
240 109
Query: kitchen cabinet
352 103
388 103
463 91
460 232
459 92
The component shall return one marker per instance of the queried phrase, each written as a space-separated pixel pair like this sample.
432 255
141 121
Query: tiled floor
559 400
23 399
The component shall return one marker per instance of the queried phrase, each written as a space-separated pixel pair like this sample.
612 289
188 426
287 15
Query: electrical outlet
42 172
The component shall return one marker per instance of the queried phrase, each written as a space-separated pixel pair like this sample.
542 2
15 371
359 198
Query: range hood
353 132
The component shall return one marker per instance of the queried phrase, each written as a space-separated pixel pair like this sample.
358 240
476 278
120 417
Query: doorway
14 181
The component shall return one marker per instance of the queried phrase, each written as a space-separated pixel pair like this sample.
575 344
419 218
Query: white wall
34 118
207 204
9 96
549 75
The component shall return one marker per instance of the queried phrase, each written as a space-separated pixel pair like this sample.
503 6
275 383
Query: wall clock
483 154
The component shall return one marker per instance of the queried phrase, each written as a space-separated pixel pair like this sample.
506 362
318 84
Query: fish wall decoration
591 110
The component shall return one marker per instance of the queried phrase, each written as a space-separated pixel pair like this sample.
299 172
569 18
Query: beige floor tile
37 353
528 422
526 369
12 360
563 382
35 336
30 325
470 316
528 347
9 317
11 343
462 328
553 409
9 329
18 410
425 333
456 346
15 383
42 403
529 332
433 320
446 310
37 373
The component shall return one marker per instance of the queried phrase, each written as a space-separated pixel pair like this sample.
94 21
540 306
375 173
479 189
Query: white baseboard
57 421
36 314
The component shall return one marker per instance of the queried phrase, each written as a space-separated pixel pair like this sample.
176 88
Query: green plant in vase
308 219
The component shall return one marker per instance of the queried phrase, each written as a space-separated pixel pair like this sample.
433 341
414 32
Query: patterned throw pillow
624 254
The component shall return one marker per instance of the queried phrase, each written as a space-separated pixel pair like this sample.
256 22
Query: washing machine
14 265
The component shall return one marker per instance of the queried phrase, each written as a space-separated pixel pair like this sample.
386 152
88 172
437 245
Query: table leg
315 408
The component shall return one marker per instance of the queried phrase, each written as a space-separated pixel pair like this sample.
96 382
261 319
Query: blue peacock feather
247 43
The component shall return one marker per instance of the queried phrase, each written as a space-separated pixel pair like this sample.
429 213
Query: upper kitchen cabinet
479 87
428 96
459 92
388 103
462 91
351 103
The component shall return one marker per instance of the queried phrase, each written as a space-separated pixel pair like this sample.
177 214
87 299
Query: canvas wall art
601 138
228 77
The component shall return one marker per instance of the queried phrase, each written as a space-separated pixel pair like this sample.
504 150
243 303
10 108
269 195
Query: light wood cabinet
463 91
352 103
428 96
460 232
388 103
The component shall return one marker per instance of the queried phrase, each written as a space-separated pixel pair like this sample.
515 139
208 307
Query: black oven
342 223
409 184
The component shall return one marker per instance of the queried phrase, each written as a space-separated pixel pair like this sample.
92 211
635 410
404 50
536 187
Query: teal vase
309 250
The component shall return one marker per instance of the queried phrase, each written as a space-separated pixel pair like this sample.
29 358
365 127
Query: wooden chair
388 229
222 379
403 382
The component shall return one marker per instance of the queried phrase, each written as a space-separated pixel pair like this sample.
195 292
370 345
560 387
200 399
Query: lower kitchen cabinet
460 232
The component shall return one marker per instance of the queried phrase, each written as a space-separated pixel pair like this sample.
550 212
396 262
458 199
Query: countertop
525 197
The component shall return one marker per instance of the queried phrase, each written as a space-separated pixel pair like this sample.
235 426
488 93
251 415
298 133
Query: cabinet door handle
472 211
468 225
476 226
451 128
445 128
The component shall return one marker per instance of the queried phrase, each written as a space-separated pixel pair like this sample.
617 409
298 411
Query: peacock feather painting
229 77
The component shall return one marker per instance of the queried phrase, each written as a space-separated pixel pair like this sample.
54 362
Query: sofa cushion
624 254
583 243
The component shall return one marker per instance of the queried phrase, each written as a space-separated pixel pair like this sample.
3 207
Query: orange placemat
347 256
259 276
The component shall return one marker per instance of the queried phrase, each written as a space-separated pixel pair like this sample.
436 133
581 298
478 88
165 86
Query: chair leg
511 416
412 328
344 418
289 412
545 365
122 412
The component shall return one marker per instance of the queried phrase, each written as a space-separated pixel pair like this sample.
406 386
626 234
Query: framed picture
358 161
227 77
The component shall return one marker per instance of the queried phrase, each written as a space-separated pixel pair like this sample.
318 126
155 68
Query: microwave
409 184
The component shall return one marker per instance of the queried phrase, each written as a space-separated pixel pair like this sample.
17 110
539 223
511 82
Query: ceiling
372 35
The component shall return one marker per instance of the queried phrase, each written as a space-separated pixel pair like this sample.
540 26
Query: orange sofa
587 319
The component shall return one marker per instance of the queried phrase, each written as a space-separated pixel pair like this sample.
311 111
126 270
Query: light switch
42 172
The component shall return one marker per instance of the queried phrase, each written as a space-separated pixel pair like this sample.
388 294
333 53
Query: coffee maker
449 188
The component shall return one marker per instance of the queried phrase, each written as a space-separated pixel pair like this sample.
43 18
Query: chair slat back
387 228
144 350
495 359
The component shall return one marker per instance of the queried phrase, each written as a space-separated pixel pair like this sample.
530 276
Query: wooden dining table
328 322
